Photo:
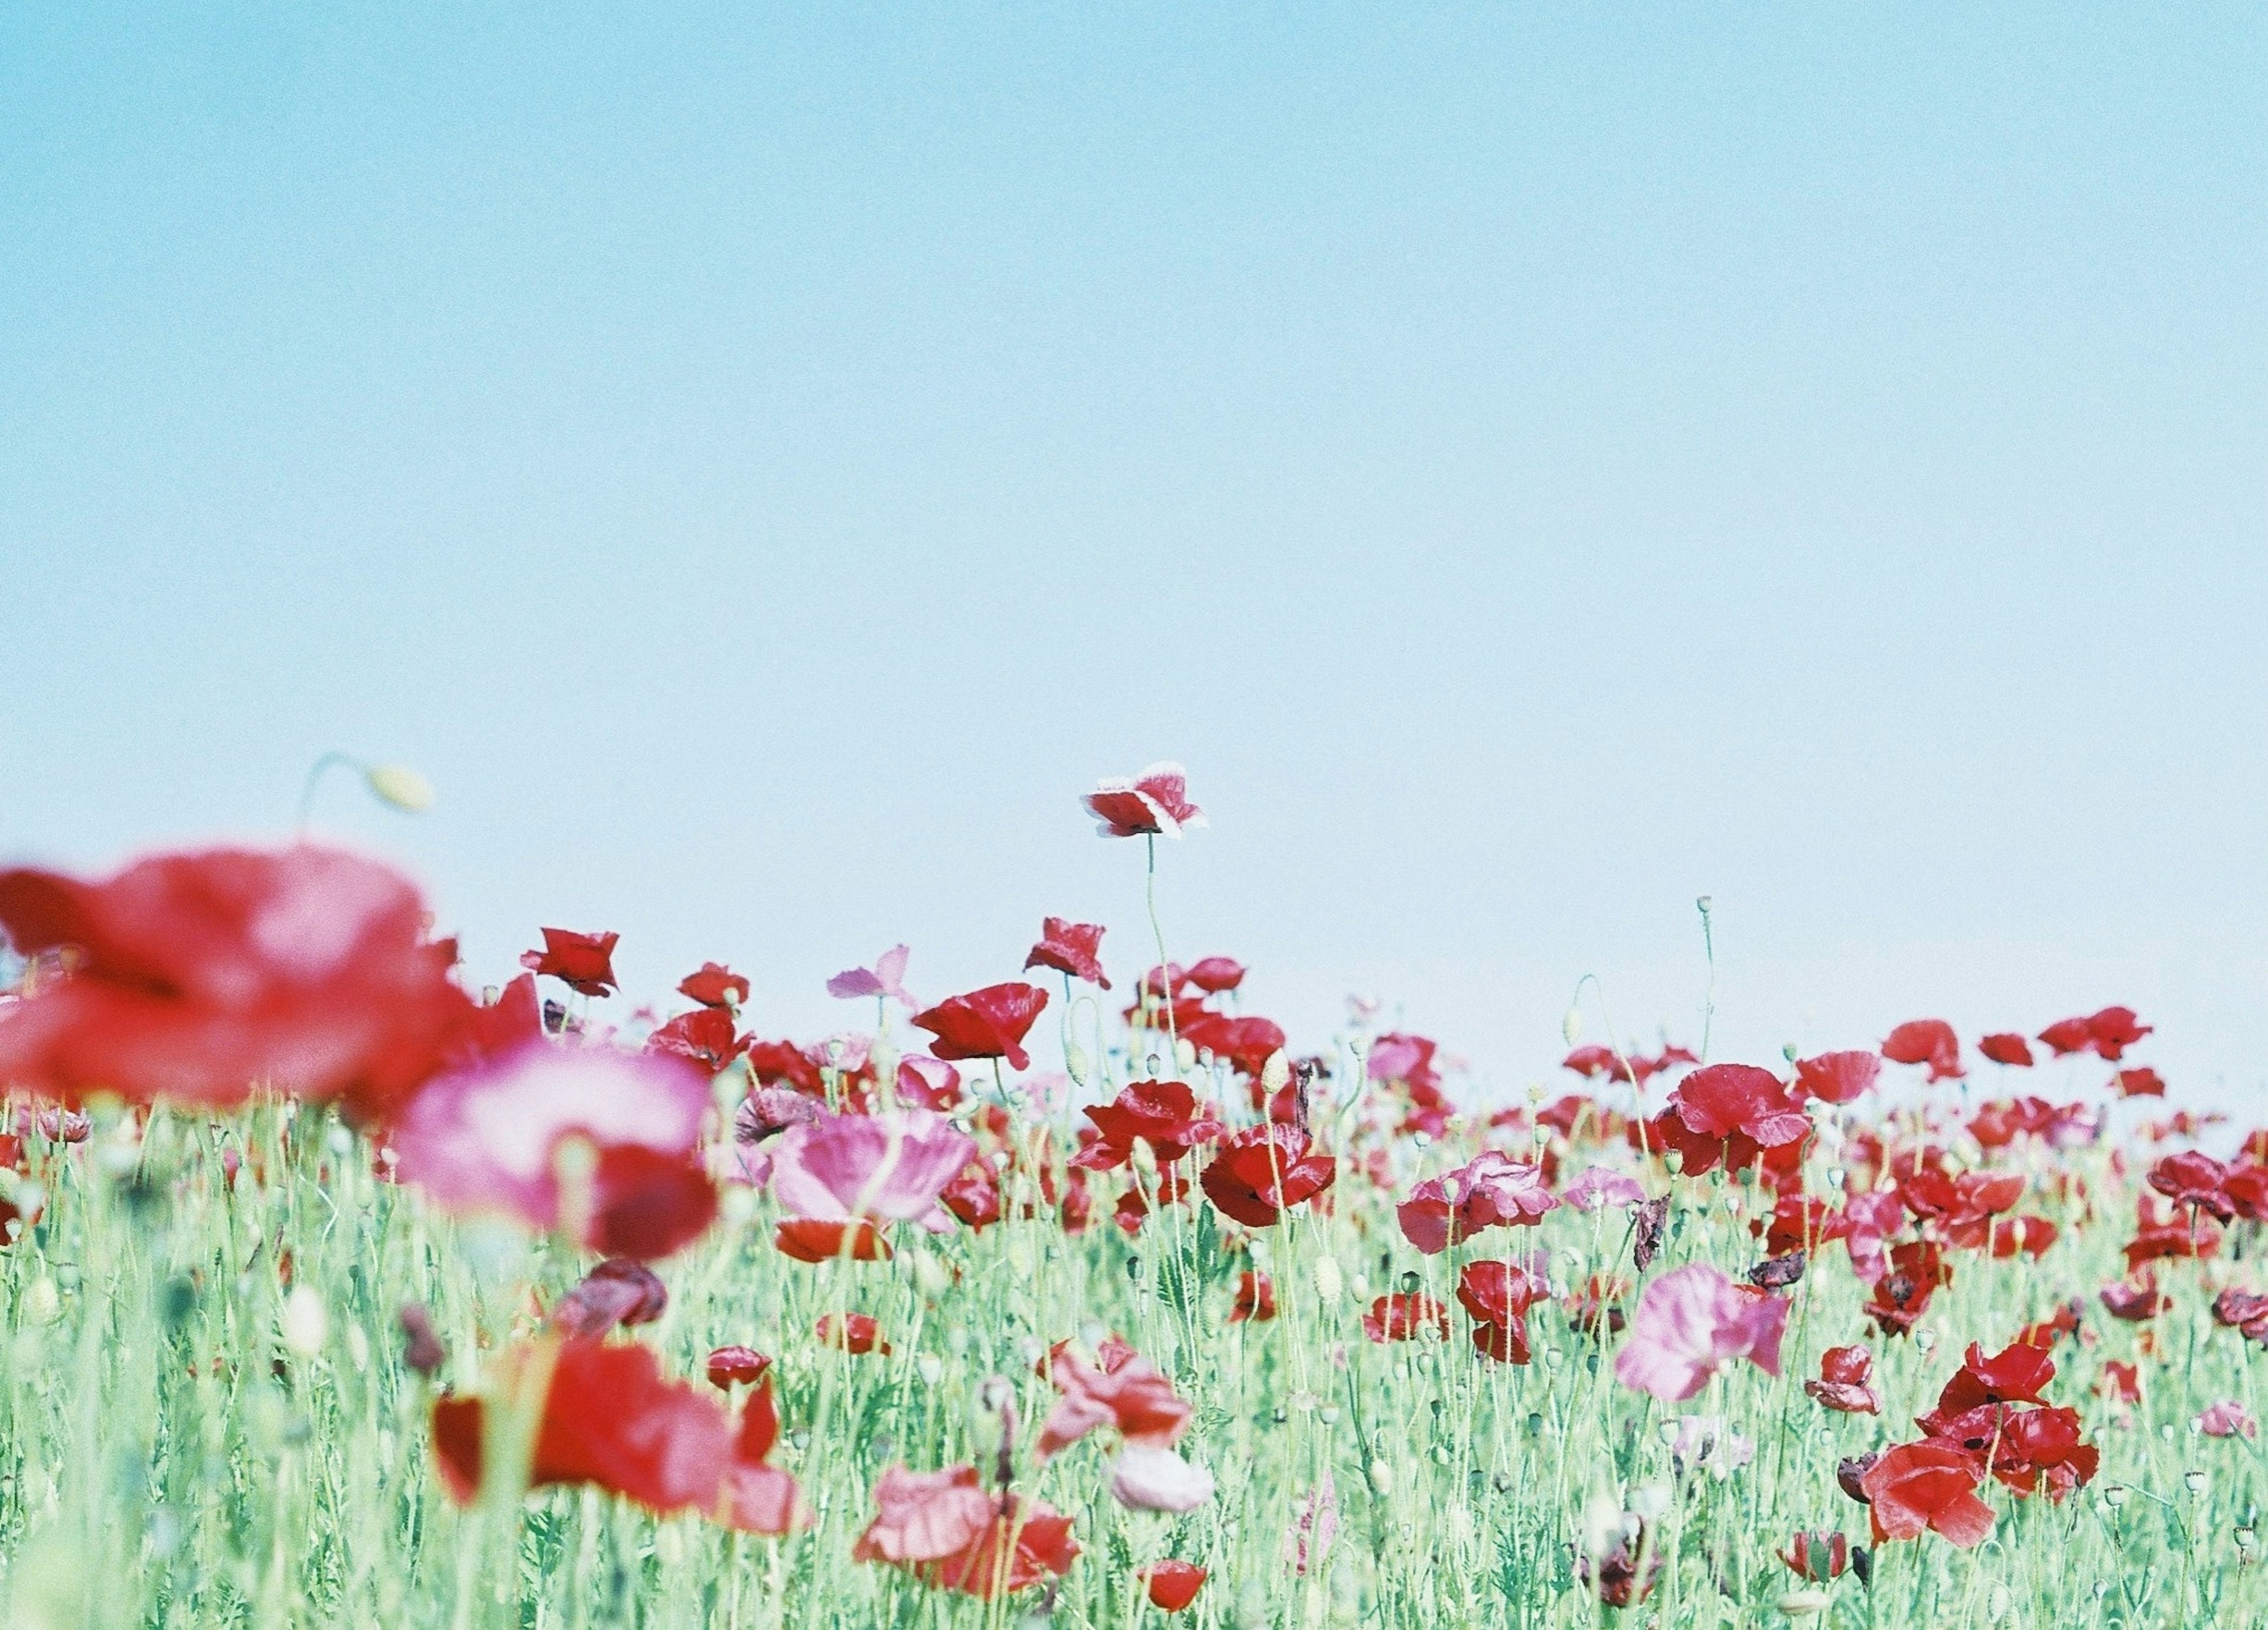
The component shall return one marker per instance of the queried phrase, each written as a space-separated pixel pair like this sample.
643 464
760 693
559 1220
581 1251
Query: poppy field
346 1284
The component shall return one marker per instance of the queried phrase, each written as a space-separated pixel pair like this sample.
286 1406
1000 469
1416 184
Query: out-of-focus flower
1148 1479
1155 802
490 1139
211 976
1070 948
1837 1077
582 962
1128 1393
1925 1041
732 1367
421 1346
1256 1298
1690 1320
874 1166
2228 1419
1817 1557
618 1291
820 1239
2108 1034
885 978
715 985
1172 1585
944 1528
1214 975
1400 1317
855 1333
610 1418
2007 1048
1708 1443
2139 1083
1599 1187
989 1023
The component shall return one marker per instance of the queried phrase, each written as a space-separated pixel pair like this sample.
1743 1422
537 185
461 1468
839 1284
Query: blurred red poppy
1817 1557
2135 1301
209 978
855 1333
1261 1172
1246 1043
583 962
1214 975
2139 1083
617 1291
989 1023
2108 1034
610 1418
2006 1048
1256 1298
1070 948
942 1527
1925 1041
714 985
736 1367
1837 1077
1172 1585
825 1239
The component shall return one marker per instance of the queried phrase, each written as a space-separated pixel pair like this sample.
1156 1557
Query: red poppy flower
1803 1222
989 1023
1255 1299
736 1367
2063 1321
2015 1374
1262 1171
1490 1190
1165 1115
855 1333
1152 803
974 1197
583 962
1172 1585
2030 1448
1400 1317
2242 1311
2021 1236
2190 1234
1246 1043
1921 1486
1498 1294
2122 1384
611 1420
705 1037
1925 1041
1837 1077
1070 948
2109 1033
714 985
208 978
1125 1390
943 1528
784 1063
1721 1099
824 1239
2006 1048
618 1291
2141 1083
1215 975
1846 1375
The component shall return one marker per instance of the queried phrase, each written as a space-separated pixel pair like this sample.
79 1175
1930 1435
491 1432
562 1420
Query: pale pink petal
892 1165
1157 1479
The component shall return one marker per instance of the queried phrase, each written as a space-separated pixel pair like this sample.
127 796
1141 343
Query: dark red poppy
1803 1222
1154 802
714 985
1720 1101
1262 1171
2135 1300
2194 1179
2243 1311
1916 1487
1498 1294
1172 1585
2017 1374
1216 974
1614 1577
1070 948
2007 1047
1844 1384
420 1345
1837 1077
1256 1298
1400 1317
1246 1043
989 1023
2030 1448
208 978
583 962
1165 1115
611 1420
618 1291
825 1239
736 1367
2044 1335
1925 1041
2108 1034
974 1197
855 1333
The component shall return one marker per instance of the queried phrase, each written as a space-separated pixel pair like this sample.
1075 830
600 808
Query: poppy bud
43 1303
1571 1027
401 786
306 1325
1328 1283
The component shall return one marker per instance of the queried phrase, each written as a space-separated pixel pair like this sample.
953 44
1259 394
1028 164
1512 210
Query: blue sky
1534 465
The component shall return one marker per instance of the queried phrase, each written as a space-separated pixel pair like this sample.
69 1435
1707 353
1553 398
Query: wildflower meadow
346 1284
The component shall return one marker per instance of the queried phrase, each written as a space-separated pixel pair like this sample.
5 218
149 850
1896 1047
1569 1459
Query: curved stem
316 772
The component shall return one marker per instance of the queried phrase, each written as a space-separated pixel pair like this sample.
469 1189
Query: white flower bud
1275 1074
402 787
1572 1026
1328 1283
306 1325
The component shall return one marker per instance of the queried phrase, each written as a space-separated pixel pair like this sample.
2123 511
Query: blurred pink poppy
489 1139
1599 1187
2228 1419
872 1166
885 978
1156 802
1690 1320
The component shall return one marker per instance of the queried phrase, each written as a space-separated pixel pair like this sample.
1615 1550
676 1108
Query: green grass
167 1458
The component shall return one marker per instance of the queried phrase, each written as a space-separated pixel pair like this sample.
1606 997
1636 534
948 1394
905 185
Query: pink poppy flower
1600 1187
1493 1189
1155 803
873 1166
1837 1077
584 962
1690 1320
1070 948
989 1023
1925 1041
2228 1419
488 1139
884 978
923 1516
928 1083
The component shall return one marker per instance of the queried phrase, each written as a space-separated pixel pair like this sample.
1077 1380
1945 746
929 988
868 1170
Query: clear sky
1534 465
